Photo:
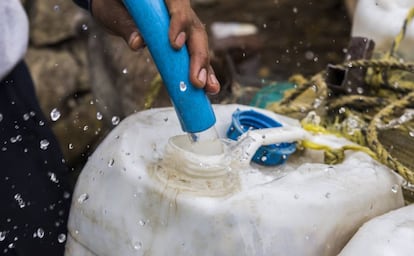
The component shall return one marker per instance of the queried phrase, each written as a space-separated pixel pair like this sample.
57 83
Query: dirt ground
297 36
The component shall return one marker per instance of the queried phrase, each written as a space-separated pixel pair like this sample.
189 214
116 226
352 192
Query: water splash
53 177
99 115
40 232
111 162
19 200
16 139
2 235
61 238
115 120
142 222
44 144
183 86
407 116
55 114
26 116
394 188
82 198
137 245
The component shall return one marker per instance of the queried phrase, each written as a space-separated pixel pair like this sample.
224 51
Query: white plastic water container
382 20
389 234
141 194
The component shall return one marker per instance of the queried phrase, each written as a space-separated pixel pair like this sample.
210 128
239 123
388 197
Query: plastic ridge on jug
166 196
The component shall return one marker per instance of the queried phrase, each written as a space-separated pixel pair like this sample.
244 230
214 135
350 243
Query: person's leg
34 197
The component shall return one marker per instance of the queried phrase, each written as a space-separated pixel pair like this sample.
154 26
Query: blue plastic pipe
193 108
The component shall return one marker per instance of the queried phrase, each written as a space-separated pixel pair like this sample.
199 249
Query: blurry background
89 80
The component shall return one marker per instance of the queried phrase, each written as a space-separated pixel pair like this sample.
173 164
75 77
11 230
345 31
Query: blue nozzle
191 104
270 155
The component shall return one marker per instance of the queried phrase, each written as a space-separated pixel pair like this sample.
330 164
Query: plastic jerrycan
382 20
191 104
143 193
388 234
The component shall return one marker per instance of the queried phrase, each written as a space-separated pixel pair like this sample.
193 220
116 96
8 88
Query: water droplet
296 196
55 114
295 10
309 55
2 235
70 146
111 162
41 123
328 195
125 71
137 245
360 90
264 25
115 120
1 117
32 113
56 8
44 144
342 110
61 238
394 188
142 222
11 246
99 115
13 139
84 27
19 200
66 195
82 198
183 86
26 116
411 133
85 128
263 158
40 232
53 177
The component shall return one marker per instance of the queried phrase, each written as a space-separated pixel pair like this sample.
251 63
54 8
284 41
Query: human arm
185 27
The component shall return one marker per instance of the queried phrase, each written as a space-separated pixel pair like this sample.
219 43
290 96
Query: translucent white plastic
389 234
142 193
382 20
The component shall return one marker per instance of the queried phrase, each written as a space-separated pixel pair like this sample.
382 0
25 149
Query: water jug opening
202 169
203 158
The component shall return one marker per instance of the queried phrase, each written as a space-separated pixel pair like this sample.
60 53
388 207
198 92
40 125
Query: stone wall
83 74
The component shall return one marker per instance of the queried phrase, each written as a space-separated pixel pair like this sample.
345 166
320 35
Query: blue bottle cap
269 155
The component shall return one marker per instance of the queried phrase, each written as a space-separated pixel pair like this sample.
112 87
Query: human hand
185 27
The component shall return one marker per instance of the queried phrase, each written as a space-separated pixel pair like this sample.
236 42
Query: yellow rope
332 155
398 39
373 140
388 77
